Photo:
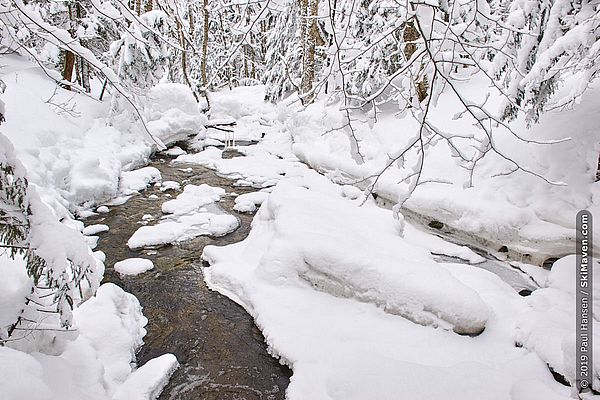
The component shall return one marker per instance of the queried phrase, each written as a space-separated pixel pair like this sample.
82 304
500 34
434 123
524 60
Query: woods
455 132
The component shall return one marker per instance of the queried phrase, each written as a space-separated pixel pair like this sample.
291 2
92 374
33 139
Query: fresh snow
133 266
94 229
95 363
384 307
188 217
140 179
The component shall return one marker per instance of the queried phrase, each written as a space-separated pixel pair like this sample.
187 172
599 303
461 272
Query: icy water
222 353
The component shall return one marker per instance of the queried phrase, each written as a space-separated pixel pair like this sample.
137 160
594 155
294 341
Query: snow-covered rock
133 266
172 113
139 179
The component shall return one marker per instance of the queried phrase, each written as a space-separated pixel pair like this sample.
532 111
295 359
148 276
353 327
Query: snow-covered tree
547 41
60 266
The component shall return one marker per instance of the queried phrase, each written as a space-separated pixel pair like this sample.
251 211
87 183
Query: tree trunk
138 7
68 68
598 170
204 45
69 56
410 36
311 38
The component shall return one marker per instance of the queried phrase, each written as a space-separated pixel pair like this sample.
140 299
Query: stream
221 352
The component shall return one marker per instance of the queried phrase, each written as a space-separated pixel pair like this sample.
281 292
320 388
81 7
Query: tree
546 42
63 272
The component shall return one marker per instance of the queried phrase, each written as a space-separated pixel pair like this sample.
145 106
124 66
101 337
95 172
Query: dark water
221 352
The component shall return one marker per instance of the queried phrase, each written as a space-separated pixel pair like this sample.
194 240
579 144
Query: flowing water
222 353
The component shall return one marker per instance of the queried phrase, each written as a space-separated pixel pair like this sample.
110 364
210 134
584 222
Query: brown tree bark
69 56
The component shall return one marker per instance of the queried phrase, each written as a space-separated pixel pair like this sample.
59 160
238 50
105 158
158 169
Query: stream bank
221 352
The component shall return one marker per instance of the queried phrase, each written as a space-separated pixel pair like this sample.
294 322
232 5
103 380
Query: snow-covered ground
518 210
76 156
357 300
353 297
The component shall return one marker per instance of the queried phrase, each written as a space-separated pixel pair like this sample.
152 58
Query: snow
192 199
245 206
517 210
384 307
183 228
74 161
188 218
173 114
548 326
96 364
256 198
174 151
140 179
15 285
169 185
148 381
133 266
258 169
94 229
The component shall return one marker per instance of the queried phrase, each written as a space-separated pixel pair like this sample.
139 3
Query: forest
299 199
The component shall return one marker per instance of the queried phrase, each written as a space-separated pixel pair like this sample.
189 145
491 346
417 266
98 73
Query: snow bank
133 266
314 255
139 179
74 157
313 244
148 381
172 113
520 211
97 364
548 326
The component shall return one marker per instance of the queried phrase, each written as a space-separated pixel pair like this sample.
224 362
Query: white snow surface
548 326
139 179
387 313
518 210
188 218
93 229
133 266
96 364
173 114
73 161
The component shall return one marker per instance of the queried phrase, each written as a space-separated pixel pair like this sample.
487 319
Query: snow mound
245 206
184 228
313 244
169 185
548 326
94 229
173 114
133 266
256 198
192 199
147 382
134 181
188 218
